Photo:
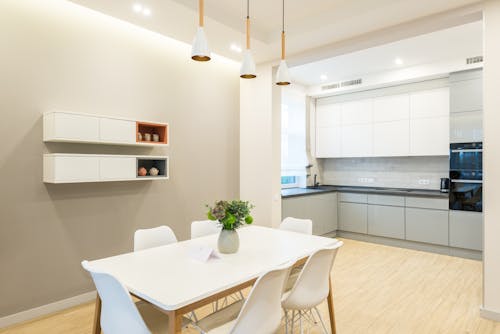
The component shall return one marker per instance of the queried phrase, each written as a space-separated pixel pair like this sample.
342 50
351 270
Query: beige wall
54 54
491 157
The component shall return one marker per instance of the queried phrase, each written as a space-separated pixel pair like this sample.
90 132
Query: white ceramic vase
228 242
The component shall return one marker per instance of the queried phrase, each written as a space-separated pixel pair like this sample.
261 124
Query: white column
260 153
491 160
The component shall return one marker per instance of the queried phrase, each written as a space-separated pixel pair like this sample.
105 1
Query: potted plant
231 215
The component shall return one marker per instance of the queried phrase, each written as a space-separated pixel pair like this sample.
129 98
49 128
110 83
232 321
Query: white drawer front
76 127
117 130
118 168
386 200
76 169
354 198
427 203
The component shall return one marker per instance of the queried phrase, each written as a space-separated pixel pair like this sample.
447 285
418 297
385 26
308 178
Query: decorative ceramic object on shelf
156 137
142 171
154 171
231 215
147 137
139 136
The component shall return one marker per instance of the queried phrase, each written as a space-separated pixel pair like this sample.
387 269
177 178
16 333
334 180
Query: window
293 137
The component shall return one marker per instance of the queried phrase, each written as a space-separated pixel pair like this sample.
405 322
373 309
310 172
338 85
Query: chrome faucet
315 184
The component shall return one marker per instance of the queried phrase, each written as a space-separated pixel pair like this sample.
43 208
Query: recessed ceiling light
398 61
146 12
235 48
137 8
323 77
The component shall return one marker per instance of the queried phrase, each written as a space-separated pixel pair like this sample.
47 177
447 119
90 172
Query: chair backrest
202 228
118 312
313 284
297 225
261 312
153 237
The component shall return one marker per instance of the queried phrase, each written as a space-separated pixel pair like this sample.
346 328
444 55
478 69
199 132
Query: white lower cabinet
427 225
466 229
320 208
79 168
386 221
353 217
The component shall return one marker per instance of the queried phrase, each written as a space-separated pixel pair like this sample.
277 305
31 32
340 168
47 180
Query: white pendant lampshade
200 50
247 70
282 75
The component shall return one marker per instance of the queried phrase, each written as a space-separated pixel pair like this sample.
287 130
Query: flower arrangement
231 214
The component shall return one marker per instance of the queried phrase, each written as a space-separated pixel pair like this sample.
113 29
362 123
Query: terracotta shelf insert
151 129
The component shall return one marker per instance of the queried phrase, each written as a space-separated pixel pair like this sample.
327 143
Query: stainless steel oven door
466 195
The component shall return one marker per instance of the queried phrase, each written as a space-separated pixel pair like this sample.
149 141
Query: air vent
473 60
342 84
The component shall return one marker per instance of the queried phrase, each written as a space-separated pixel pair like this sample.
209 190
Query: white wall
491 160
260 157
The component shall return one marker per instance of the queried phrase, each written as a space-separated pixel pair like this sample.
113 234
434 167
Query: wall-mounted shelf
79 168
70 127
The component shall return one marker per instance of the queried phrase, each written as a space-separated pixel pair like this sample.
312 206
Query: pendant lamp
200 51
282 75
247 70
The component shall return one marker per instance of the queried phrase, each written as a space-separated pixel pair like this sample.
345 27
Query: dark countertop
294 192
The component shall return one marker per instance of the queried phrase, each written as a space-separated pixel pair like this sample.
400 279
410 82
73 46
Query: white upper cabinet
62 126
430 103
357 112
357 140
467 95
328 115
328 142
430 136
391 138
117 131
391 108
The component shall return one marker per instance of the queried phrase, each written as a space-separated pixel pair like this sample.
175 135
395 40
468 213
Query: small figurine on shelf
147 137
154 171
156 137
142 171
139 136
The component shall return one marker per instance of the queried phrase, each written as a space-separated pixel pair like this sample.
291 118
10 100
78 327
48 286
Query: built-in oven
466 176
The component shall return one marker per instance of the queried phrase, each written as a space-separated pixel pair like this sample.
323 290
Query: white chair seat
224 329
156 320
218 320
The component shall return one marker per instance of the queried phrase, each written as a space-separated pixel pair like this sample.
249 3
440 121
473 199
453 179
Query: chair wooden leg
331 309
97 316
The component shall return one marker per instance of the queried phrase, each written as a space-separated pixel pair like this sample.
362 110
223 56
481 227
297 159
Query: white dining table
174 281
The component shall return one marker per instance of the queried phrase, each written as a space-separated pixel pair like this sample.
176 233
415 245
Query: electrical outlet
424 181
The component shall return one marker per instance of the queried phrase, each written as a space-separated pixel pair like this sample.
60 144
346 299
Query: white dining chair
202 228
260 312
298 225
311 288
119 313
153 237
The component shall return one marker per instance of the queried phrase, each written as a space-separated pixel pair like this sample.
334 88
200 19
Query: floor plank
378 289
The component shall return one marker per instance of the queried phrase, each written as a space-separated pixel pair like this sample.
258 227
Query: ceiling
454 43
309 24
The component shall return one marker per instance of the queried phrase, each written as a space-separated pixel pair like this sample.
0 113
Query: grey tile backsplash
394 172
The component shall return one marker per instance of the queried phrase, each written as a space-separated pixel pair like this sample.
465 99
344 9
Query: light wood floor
378 289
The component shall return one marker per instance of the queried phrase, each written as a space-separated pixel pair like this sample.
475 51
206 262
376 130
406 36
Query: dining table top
171 277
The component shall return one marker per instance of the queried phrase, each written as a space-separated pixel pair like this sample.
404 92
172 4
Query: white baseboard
488 314
46 309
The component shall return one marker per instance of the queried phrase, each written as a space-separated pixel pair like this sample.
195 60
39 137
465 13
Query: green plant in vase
231 215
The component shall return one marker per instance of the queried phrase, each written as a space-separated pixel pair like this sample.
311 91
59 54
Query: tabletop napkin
203 253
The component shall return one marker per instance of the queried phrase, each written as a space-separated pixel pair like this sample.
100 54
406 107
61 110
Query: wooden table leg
97 316
174 322
331 309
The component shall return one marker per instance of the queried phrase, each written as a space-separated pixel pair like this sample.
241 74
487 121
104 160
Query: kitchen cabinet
391 138
391 108
328 115
353 217
117 131
357 112
466 91
65 126
430 103
429 136
427 203
329 142
466 127
427 225
117 168
320 208
357 140
466 229
386 221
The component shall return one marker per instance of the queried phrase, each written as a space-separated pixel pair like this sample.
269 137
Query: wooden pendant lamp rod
201 12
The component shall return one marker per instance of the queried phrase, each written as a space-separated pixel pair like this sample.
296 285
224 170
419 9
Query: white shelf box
80 168
70 127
